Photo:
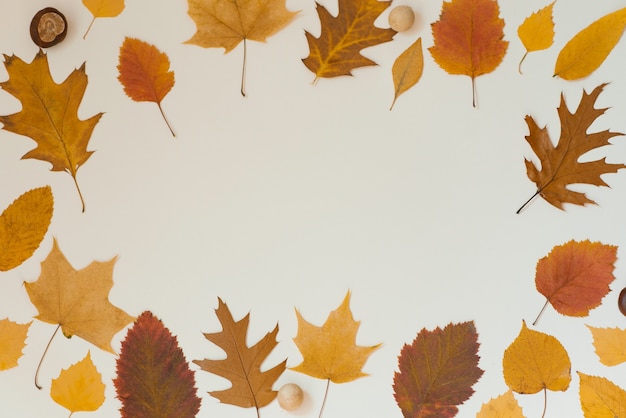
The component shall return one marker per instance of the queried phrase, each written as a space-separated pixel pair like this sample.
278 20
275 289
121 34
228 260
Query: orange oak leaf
153 376
144 71
468 39
12 342
599 397
559 165
103 8
437 371
251 387
337 51
49 114
575 276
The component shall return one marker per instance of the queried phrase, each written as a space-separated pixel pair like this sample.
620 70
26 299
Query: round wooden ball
290 396
401 18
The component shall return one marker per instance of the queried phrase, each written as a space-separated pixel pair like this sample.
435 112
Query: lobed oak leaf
610 345
407 69
537 31
437 371
504 406
337 51
103 8
79 388
600 398
153 377
12 342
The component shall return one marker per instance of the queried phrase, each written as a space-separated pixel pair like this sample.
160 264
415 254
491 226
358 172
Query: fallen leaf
77 300
153 376
600 398
588 49
559 165
468 38
103 8
79 388
23 225
337 51
537 32
12 342
226 23
49 114
144 71
504 406
407 69
251 387
610 345
437 371
575 276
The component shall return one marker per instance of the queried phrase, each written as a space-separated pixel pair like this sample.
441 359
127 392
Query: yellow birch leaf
504 406
79 388
610 345
12 342
588 49
537 31
601 398
103 8
407 69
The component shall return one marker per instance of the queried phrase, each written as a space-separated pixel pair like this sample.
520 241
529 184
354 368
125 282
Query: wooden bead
401 18
290 397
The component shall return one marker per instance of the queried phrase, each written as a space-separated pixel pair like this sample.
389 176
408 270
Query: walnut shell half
48 27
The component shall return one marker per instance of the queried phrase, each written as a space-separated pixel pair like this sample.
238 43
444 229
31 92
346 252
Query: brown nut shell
48 27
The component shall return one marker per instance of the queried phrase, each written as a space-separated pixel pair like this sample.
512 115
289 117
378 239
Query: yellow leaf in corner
103 8
504 406
12 342
537 31
79 388
610 345
407 69
601 398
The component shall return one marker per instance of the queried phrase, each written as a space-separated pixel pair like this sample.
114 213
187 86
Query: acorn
48 27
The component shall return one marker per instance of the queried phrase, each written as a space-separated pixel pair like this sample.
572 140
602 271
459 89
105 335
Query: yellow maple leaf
601 398
504 406
610 345
537 32
79 388
103 8
12 342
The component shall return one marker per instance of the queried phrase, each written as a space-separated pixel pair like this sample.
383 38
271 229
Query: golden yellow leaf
103 8
537 31
12 342
610 345
407 69
504 406
601 398
588 49
79 388
23 225
536 361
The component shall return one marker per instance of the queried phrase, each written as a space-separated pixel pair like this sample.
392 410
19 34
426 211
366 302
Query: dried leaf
103 8
559 165
12 342
504 406
144 71
610 345
153 377
586 51
407 69
468 38
77 300
537 31
437 371
79 388
601 398
337 51
49 114
251 387
23 225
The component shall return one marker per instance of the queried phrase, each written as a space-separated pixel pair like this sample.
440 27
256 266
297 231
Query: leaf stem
243 68
43 355
325 397
89 27
527 202
519 66
473 91
80 194
165 119
545 305
545 402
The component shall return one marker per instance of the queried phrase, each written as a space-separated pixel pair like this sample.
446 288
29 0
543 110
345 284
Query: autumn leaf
226 23
79 388
407 69
610 345
144 71
337 51
251 387
537 32
468 39
437 371
588 49
599 397
23 225
49 114
504 406
12 342
575 276
103 8
559 165
153 377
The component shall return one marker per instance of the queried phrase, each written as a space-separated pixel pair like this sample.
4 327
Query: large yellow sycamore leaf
103 8
504 406
79 388
610 345
12 342
601 398
537 32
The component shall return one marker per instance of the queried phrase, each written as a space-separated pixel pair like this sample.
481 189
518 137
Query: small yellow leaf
103 8
601 398
537 31
504 406
610 344
407 69
79 388
12 341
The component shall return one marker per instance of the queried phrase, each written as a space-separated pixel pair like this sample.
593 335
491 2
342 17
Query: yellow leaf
610 344
601 398
12 342
103 8
23 225
330 351
536 361
504 406
79 388
537 31
584 53
407 69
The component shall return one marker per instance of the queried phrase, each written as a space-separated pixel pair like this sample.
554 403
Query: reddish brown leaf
437 371
153 378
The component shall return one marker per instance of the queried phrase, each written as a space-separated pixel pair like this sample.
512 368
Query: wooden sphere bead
290 397
401 18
